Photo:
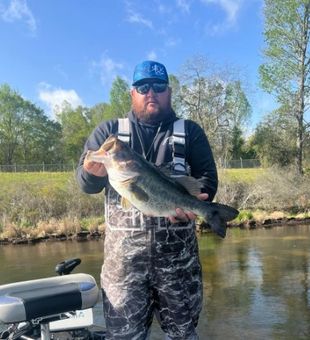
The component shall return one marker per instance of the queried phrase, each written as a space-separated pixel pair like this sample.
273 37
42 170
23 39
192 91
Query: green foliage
176 103
244 215
237 143
274 140
120 99
26 134
75 129
28 199
97 114
78 123
286 71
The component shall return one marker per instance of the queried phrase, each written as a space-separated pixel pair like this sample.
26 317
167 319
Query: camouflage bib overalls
150 267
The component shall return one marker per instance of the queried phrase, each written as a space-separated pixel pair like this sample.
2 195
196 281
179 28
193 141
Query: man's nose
151 92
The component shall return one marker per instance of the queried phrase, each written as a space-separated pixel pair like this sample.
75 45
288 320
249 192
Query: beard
152 117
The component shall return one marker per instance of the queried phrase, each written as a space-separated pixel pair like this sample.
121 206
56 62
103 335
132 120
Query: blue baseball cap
149 70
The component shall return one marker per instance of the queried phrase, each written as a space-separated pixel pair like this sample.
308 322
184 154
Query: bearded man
151 264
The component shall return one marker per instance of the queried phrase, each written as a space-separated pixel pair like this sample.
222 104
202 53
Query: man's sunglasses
156 87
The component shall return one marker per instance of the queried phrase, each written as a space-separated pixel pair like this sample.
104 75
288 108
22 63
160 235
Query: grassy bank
36 204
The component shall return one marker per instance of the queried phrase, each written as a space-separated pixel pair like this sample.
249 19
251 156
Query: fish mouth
109 143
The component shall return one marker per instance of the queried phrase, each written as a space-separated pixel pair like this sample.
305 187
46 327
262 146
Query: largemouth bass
151 191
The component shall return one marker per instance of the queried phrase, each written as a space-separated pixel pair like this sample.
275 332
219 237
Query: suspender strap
177 141
178 146
123 130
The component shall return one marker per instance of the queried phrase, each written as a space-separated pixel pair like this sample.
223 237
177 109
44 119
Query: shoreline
84 236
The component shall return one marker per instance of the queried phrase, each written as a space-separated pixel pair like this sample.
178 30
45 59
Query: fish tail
218 215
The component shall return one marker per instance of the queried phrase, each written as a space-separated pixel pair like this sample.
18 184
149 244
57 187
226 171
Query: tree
75 129
286 69
120 99
97 114
26 134
11 117
238 111
273 139
39 139
214 99
237 143
176 102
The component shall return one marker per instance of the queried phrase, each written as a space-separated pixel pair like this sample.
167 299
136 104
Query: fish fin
164 170
126 205
139 193
219 216
192 185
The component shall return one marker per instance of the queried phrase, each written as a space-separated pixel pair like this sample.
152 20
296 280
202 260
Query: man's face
151 106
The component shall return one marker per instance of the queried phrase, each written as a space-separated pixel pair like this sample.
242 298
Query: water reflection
256 283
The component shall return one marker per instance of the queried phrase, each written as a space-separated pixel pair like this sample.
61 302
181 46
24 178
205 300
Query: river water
256 282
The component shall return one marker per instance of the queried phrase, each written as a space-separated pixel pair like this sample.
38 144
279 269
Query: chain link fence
233 164
37 167
240 164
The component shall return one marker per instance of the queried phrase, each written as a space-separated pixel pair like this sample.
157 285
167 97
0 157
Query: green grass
241 175
59 180
29 198
39 179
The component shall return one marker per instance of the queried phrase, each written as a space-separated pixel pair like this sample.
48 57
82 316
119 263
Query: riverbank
96 234
40 207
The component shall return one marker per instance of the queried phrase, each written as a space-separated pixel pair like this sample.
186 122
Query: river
256 282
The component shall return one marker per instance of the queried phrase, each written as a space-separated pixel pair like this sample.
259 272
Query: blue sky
55 50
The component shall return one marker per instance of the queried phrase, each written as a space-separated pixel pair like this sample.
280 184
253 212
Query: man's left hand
185 216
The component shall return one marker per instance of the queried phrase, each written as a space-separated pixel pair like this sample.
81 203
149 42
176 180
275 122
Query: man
151 265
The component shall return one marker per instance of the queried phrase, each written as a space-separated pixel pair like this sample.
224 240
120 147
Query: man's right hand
94 168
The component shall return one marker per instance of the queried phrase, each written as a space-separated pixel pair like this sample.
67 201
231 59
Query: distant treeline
29 136
217 98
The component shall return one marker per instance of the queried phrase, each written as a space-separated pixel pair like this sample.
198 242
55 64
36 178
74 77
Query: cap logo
159 70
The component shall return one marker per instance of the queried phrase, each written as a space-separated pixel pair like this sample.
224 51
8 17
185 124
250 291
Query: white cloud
163 8
152 55
231 9
56 98
19 10
133 16
172 42
108 69
184 5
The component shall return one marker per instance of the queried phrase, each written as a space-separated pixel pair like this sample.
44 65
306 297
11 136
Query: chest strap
123 130
177 140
